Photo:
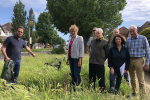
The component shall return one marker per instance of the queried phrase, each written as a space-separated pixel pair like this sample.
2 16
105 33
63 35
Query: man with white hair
98 55
138 47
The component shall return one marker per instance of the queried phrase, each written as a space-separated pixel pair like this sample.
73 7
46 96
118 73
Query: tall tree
44 27
19 18
86 14
33 33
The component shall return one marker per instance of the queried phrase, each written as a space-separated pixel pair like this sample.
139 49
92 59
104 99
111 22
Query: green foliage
146 32
59 50
40 82
44 27
19 18
86 14
1 41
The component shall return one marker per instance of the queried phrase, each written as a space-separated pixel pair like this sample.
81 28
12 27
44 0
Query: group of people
130 52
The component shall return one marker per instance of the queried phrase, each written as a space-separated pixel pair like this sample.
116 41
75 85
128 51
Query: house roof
2 28
8 26
123 30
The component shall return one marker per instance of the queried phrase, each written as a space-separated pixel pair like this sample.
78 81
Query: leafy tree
33 33
86 14
56 39
19 18
44 27
146 32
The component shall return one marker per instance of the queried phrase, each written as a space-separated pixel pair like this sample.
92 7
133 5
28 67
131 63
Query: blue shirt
14 47
116 59
139 47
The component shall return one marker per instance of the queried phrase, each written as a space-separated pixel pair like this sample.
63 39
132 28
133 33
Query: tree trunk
85 43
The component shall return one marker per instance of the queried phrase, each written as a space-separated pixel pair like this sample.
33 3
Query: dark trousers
126 77
75 70
99 71
118 81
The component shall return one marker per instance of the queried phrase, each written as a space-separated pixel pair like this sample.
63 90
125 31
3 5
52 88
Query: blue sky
136 12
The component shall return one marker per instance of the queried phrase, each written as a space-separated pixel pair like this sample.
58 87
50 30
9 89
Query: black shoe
132 95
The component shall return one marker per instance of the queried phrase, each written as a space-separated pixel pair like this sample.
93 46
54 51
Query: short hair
133 27
99 30
73 27
94 27
20 27
123 41
115 29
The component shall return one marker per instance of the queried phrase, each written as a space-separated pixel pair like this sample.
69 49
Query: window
5 27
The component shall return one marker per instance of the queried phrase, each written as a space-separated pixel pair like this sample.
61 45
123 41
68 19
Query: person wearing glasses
13 46
118 55
75 54
98 55
138 47
89 41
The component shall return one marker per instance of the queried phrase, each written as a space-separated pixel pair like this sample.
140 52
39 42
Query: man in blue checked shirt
138 47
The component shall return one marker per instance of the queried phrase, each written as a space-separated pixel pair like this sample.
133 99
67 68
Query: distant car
56 46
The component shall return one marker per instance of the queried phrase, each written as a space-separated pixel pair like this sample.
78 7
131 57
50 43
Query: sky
136 12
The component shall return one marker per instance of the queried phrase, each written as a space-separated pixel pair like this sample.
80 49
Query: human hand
145 68
67 63
125 71
79 64
111 71
7 58
34 55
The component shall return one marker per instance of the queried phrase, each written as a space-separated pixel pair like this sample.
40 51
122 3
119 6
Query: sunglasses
94 30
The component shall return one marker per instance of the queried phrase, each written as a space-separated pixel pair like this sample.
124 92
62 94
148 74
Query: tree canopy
19 18
146 32
44 27
86 14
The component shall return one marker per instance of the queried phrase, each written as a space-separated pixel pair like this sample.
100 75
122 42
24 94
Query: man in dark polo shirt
98 55
14 45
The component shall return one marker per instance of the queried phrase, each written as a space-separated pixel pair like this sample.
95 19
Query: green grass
40 82
36 50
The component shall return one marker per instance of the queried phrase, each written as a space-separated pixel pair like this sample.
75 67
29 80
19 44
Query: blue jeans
16 70
75 70
126 77
118 81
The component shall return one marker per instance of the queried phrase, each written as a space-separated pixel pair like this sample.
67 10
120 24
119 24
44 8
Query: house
3 36
7 27
147 24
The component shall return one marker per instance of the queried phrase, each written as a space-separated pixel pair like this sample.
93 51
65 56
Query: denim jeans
75 70
126 77
118 81
16 70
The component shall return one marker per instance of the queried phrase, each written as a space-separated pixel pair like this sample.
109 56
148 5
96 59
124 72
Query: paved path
26 53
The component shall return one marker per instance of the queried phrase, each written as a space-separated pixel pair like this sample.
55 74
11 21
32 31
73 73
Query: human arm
81 51
29 50
4 52
110 62
147 54
88 49
106 50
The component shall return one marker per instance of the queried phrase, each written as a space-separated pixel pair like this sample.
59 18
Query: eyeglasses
94 30
97 33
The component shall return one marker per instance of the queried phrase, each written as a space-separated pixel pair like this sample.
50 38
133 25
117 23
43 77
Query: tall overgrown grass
40 82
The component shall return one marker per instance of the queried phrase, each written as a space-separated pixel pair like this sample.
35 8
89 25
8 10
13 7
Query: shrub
59 50
146 32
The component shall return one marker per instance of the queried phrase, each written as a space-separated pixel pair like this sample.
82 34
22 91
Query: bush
146 33
59 50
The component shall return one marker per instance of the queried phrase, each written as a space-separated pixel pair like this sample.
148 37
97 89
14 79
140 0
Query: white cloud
136 10
38 6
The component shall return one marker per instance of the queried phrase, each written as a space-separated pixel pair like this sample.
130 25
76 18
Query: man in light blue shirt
138 47
89 41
